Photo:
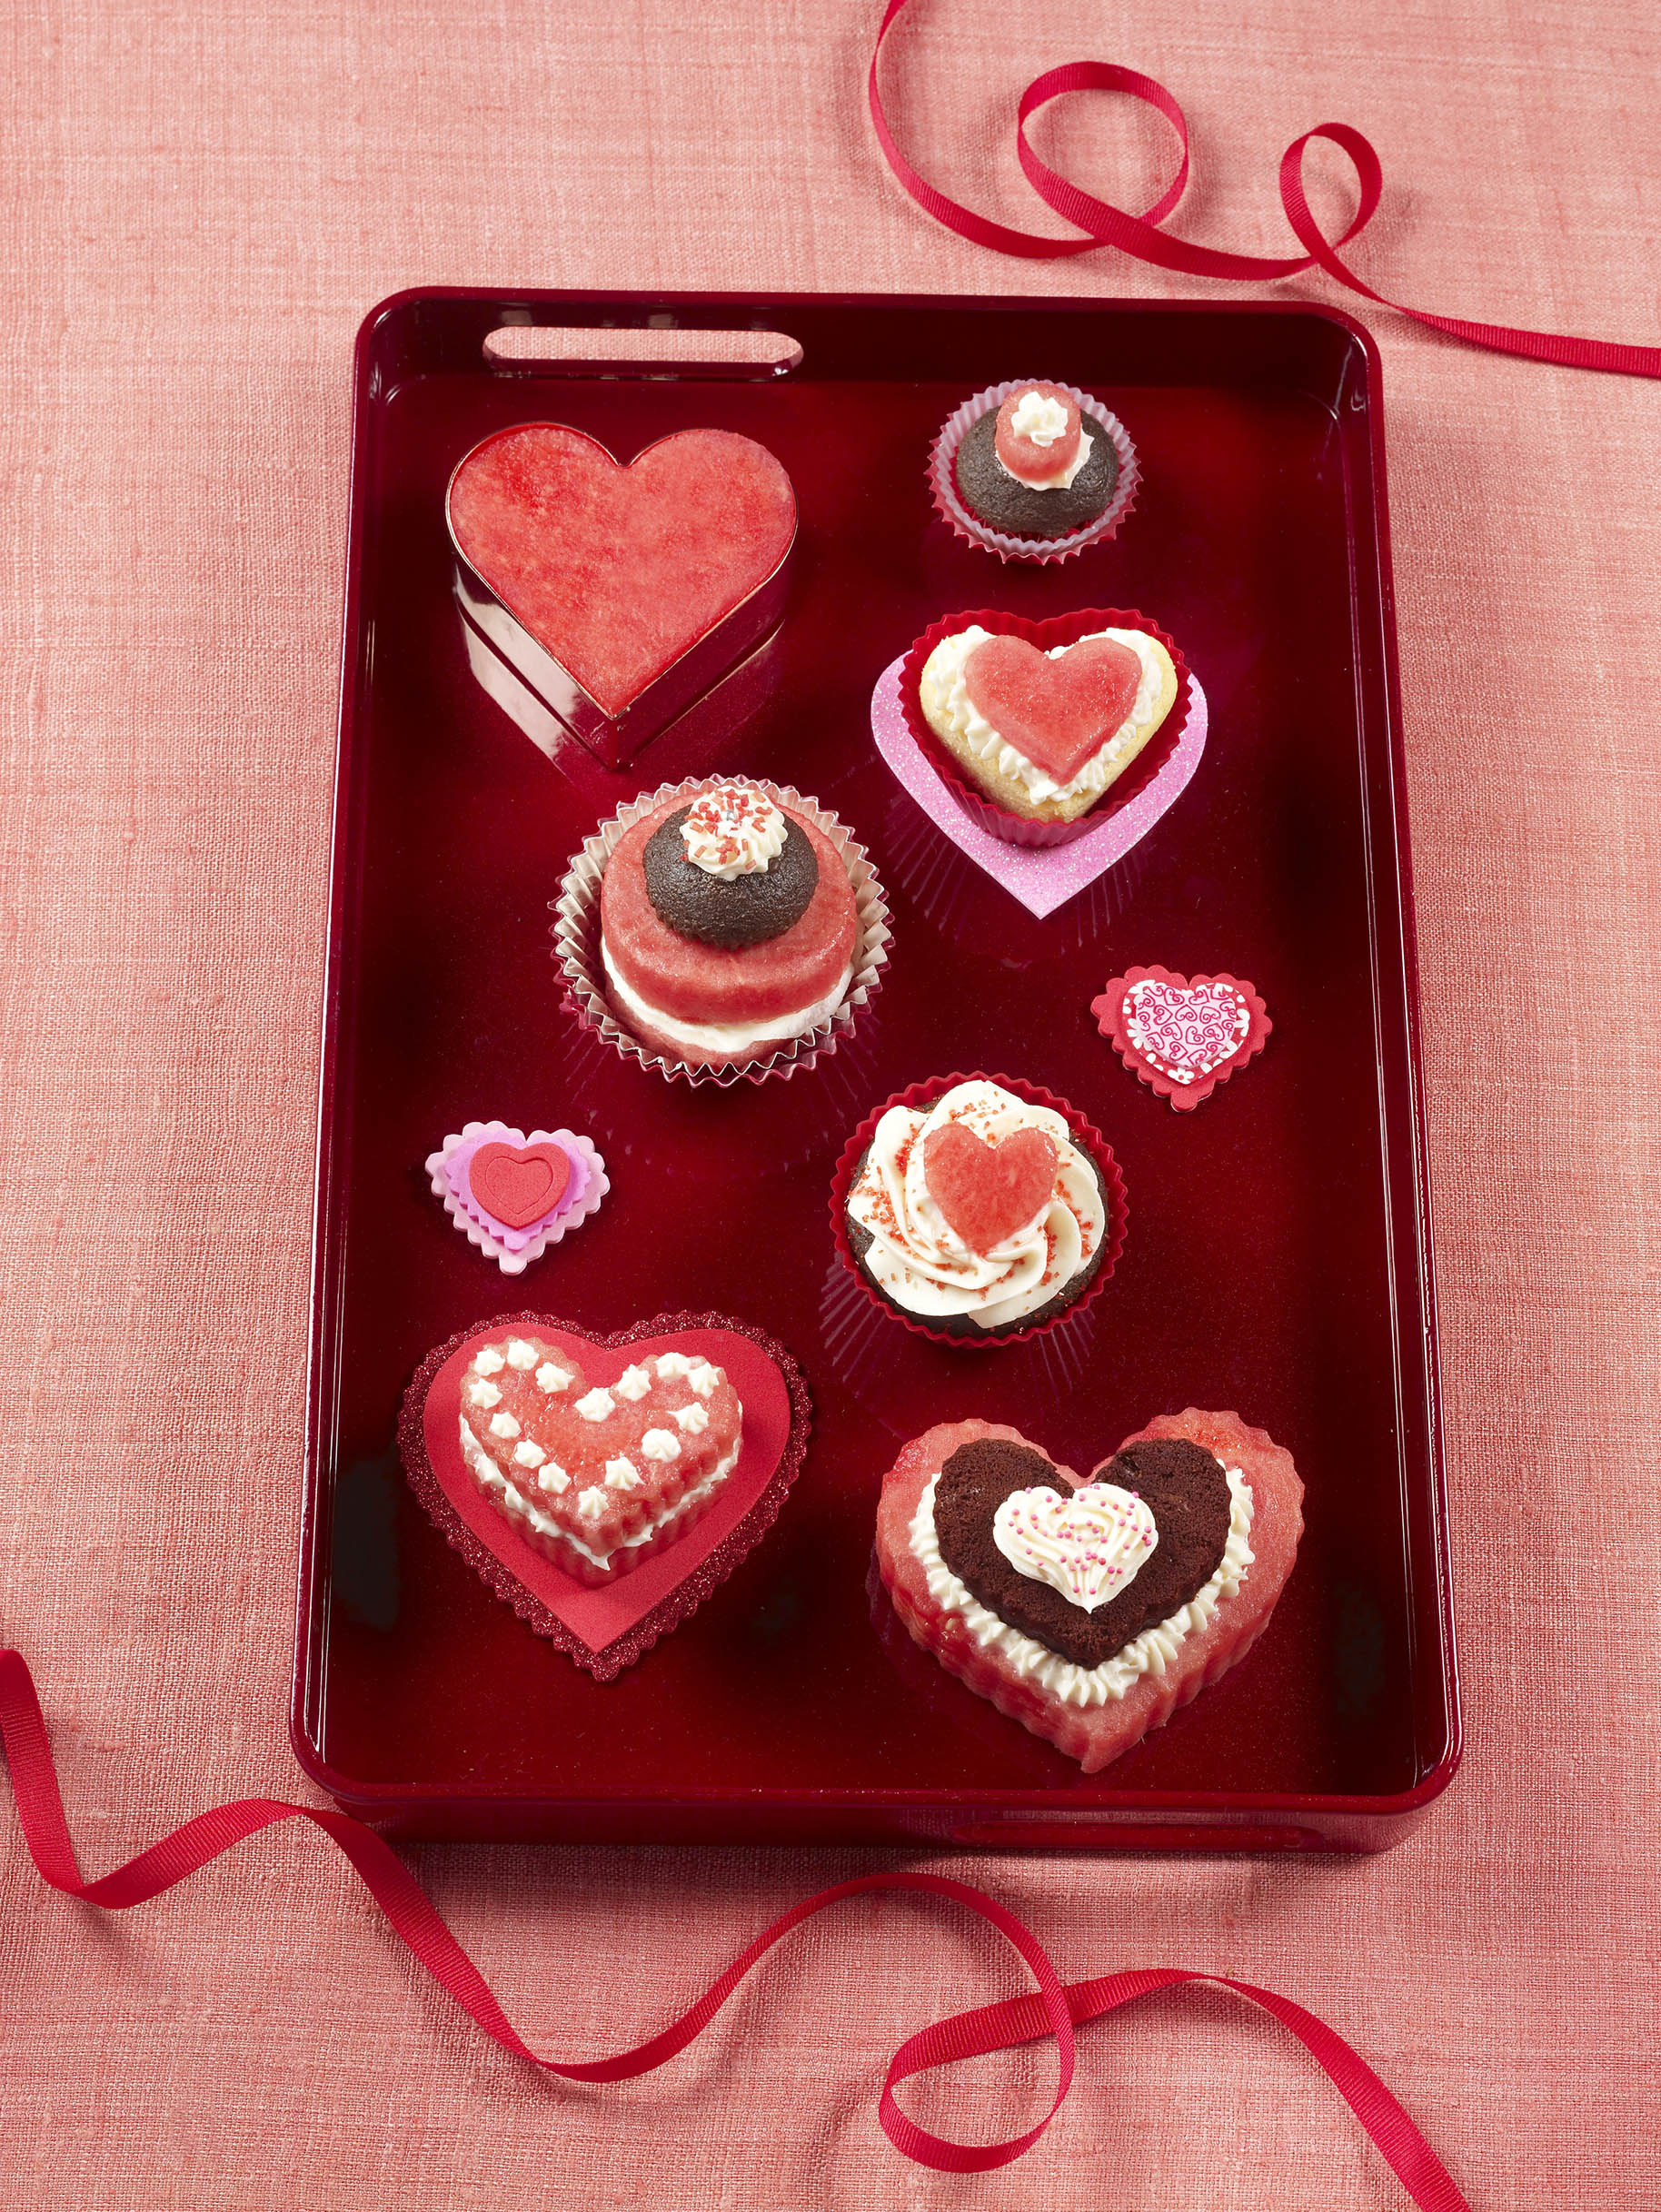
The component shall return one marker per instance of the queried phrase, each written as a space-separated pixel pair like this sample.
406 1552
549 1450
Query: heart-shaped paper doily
618 571
606 1628
1042 877
988 1192
1058 709
1182 1035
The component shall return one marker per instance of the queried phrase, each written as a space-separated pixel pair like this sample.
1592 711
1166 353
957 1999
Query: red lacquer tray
1278 1258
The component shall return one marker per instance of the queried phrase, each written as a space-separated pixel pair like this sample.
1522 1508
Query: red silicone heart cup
1053 630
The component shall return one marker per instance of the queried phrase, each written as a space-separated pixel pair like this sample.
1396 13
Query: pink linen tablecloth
200 201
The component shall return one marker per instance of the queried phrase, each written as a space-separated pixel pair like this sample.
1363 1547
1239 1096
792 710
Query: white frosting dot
553 1479
621 1474
483 1394
632 1384
661 1444
673 1363
490 1361
596 1407
590 1502
551 1378
692 1419
504 1424
703 1378
520 1353
529 1454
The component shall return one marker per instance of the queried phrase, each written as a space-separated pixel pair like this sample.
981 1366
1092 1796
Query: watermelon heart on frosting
1056 709
604 1487
989 1191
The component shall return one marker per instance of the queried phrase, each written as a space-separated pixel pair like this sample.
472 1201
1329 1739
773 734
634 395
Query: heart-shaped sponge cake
604 1488
618 571
1043 718
1090 1611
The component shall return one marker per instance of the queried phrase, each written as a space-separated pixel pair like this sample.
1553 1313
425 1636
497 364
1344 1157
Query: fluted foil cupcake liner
576 939
948 503
918 1097
1052 630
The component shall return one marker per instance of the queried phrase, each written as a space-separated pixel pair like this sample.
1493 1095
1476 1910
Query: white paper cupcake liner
576 939
943 485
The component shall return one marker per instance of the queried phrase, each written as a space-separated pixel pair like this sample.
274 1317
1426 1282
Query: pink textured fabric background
199 203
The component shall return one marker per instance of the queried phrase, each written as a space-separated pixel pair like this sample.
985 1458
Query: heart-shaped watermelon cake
620 591
604 1486
1090 1611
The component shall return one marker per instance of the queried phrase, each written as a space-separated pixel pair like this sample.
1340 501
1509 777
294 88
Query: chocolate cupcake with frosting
1033 470
977 1212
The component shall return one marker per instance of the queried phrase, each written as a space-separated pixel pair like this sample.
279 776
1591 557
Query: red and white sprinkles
1089 1545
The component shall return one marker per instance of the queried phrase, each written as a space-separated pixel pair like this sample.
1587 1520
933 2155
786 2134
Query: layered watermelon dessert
729 925
1090 1610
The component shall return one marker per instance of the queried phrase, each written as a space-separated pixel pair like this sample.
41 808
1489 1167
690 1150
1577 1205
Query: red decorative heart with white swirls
1182 1035
604 1487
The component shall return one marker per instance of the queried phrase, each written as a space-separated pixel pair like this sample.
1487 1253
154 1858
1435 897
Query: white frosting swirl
1042 422
1038 419
919 1259
732 832
948 710
1149 1654
1090 1544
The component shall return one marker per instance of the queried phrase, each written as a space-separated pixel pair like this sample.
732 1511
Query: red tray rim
715 310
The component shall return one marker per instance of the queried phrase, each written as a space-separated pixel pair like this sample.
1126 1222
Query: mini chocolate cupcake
1033 470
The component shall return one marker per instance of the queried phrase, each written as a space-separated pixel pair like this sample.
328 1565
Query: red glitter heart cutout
518 1184
1056 712
985 1191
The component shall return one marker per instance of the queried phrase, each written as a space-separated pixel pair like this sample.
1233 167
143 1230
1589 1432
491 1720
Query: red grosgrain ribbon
1053 2009
1140 234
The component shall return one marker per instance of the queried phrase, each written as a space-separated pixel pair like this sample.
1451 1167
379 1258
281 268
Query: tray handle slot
661 350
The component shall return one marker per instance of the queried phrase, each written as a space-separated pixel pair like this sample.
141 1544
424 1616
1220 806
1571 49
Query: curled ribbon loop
1140 236
1052 2009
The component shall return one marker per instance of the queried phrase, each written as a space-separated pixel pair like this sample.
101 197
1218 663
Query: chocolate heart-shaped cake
1090 1610
604 1486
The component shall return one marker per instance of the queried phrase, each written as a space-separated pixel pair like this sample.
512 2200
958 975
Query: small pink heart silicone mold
514 1243
1182 1035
